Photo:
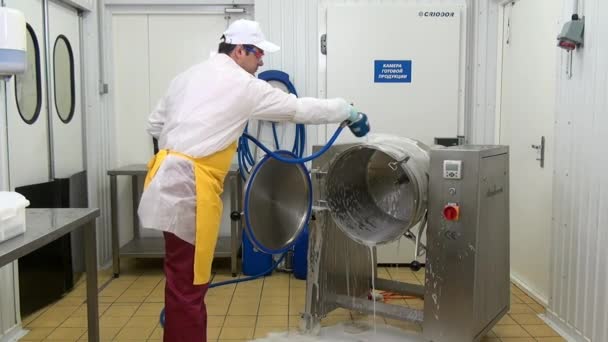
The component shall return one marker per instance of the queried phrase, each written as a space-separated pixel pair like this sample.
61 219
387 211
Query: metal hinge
541 150
324 44
103 88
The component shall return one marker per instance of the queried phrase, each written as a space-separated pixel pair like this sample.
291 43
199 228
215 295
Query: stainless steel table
47 225
142 247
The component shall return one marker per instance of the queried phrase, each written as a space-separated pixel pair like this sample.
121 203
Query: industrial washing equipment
453 202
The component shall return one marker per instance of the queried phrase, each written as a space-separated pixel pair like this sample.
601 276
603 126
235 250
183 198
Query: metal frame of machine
467 287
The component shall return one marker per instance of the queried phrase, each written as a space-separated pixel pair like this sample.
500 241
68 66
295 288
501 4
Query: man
197 124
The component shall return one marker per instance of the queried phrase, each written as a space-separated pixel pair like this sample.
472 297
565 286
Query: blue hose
296 160
245 158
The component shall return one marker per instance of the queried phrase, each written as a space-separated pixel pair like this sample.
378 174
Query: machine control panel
452 169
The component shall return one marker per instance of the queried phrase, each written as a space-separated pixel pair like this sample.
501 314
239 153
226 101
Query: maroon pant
185 312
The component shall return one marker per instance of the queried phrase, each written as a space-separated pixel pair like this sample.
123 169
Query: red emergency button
451 212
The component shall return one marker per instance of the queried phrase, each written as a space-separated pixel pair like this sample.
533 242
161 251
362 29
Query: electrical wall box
571 36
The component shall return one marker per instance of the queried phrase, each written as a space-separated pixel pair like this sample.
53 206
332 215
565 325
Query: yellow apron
209 174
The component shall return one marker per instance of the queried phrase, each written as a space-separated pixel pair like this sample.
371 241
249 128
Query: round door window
28 87
63 67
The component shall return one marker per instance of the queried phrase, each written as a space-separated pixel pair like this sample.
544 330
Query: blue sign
392 71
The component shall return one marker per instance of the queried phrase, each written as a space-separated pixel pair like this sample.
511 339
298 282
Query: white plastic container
13 42
12 214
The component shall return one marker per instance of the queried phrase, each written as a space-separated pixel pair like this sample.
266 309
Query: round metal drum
376 191
277 203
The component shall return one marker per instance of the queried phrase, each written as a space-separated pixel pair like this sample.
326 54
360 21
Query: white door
402 65
28 153
526 116
148 51
66 107
28 141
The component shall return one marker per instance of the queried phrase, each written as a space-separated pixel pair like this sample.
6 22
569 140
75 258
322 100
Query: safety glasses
257 52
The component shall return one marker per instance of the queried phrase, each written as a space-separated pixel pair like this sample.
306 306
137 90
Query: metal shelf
155 248
144 248
151 247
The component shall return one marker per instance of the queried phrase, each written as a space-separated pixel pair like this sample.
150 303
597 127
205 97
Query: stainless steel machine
453 203
373 193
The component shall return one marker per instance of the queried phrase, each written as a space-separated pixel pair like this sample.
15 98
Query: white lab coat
204 111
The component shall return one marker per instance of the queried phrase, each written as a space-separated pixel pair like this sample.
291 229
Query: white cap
247 32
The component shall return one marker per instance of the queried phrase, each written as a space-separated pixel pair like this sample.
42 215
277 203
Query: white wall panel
131 95
297 26
579 302
292 24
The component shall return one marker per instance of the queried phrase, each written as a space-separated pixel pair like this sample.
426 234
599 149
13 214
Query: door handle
541 148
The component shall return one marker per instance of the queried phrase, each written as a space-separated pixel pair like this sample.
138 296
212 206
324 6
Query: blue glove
358 123
353 115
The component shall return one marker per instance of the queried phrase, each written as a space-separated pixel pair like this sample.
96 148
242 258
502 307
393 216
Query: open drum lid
277 203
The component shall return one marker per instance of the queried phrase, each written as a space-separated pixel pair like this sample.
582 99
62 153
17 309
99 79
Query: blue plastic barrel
254 261
300 255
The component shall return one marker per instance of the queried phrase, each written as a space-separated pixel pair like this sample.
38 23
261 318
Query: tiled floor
130 307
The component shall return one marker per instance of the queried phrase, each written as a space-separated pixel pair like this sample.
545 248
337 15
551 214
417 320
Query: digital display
451 167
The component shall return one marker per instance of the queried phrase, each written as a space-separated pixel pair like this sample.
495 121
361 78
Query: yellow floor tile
149 309
527 299
217 310
248 292
273 321
294 321
503 331
273 310
131 299
506 320
157 333
45 321
245 300
515 300
540 330
121 310
527 319
213 333
215 321
142 322
37 334
108 333
75 321
113 322
273 301
520 309
261 332
236 333
134 334
240 321
66 334
539 309
295 310
243 310
71 301
130 305
218 301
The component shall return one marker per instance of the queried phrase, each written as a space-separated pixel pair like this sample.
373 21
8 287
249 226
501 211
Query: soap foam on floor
357 331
